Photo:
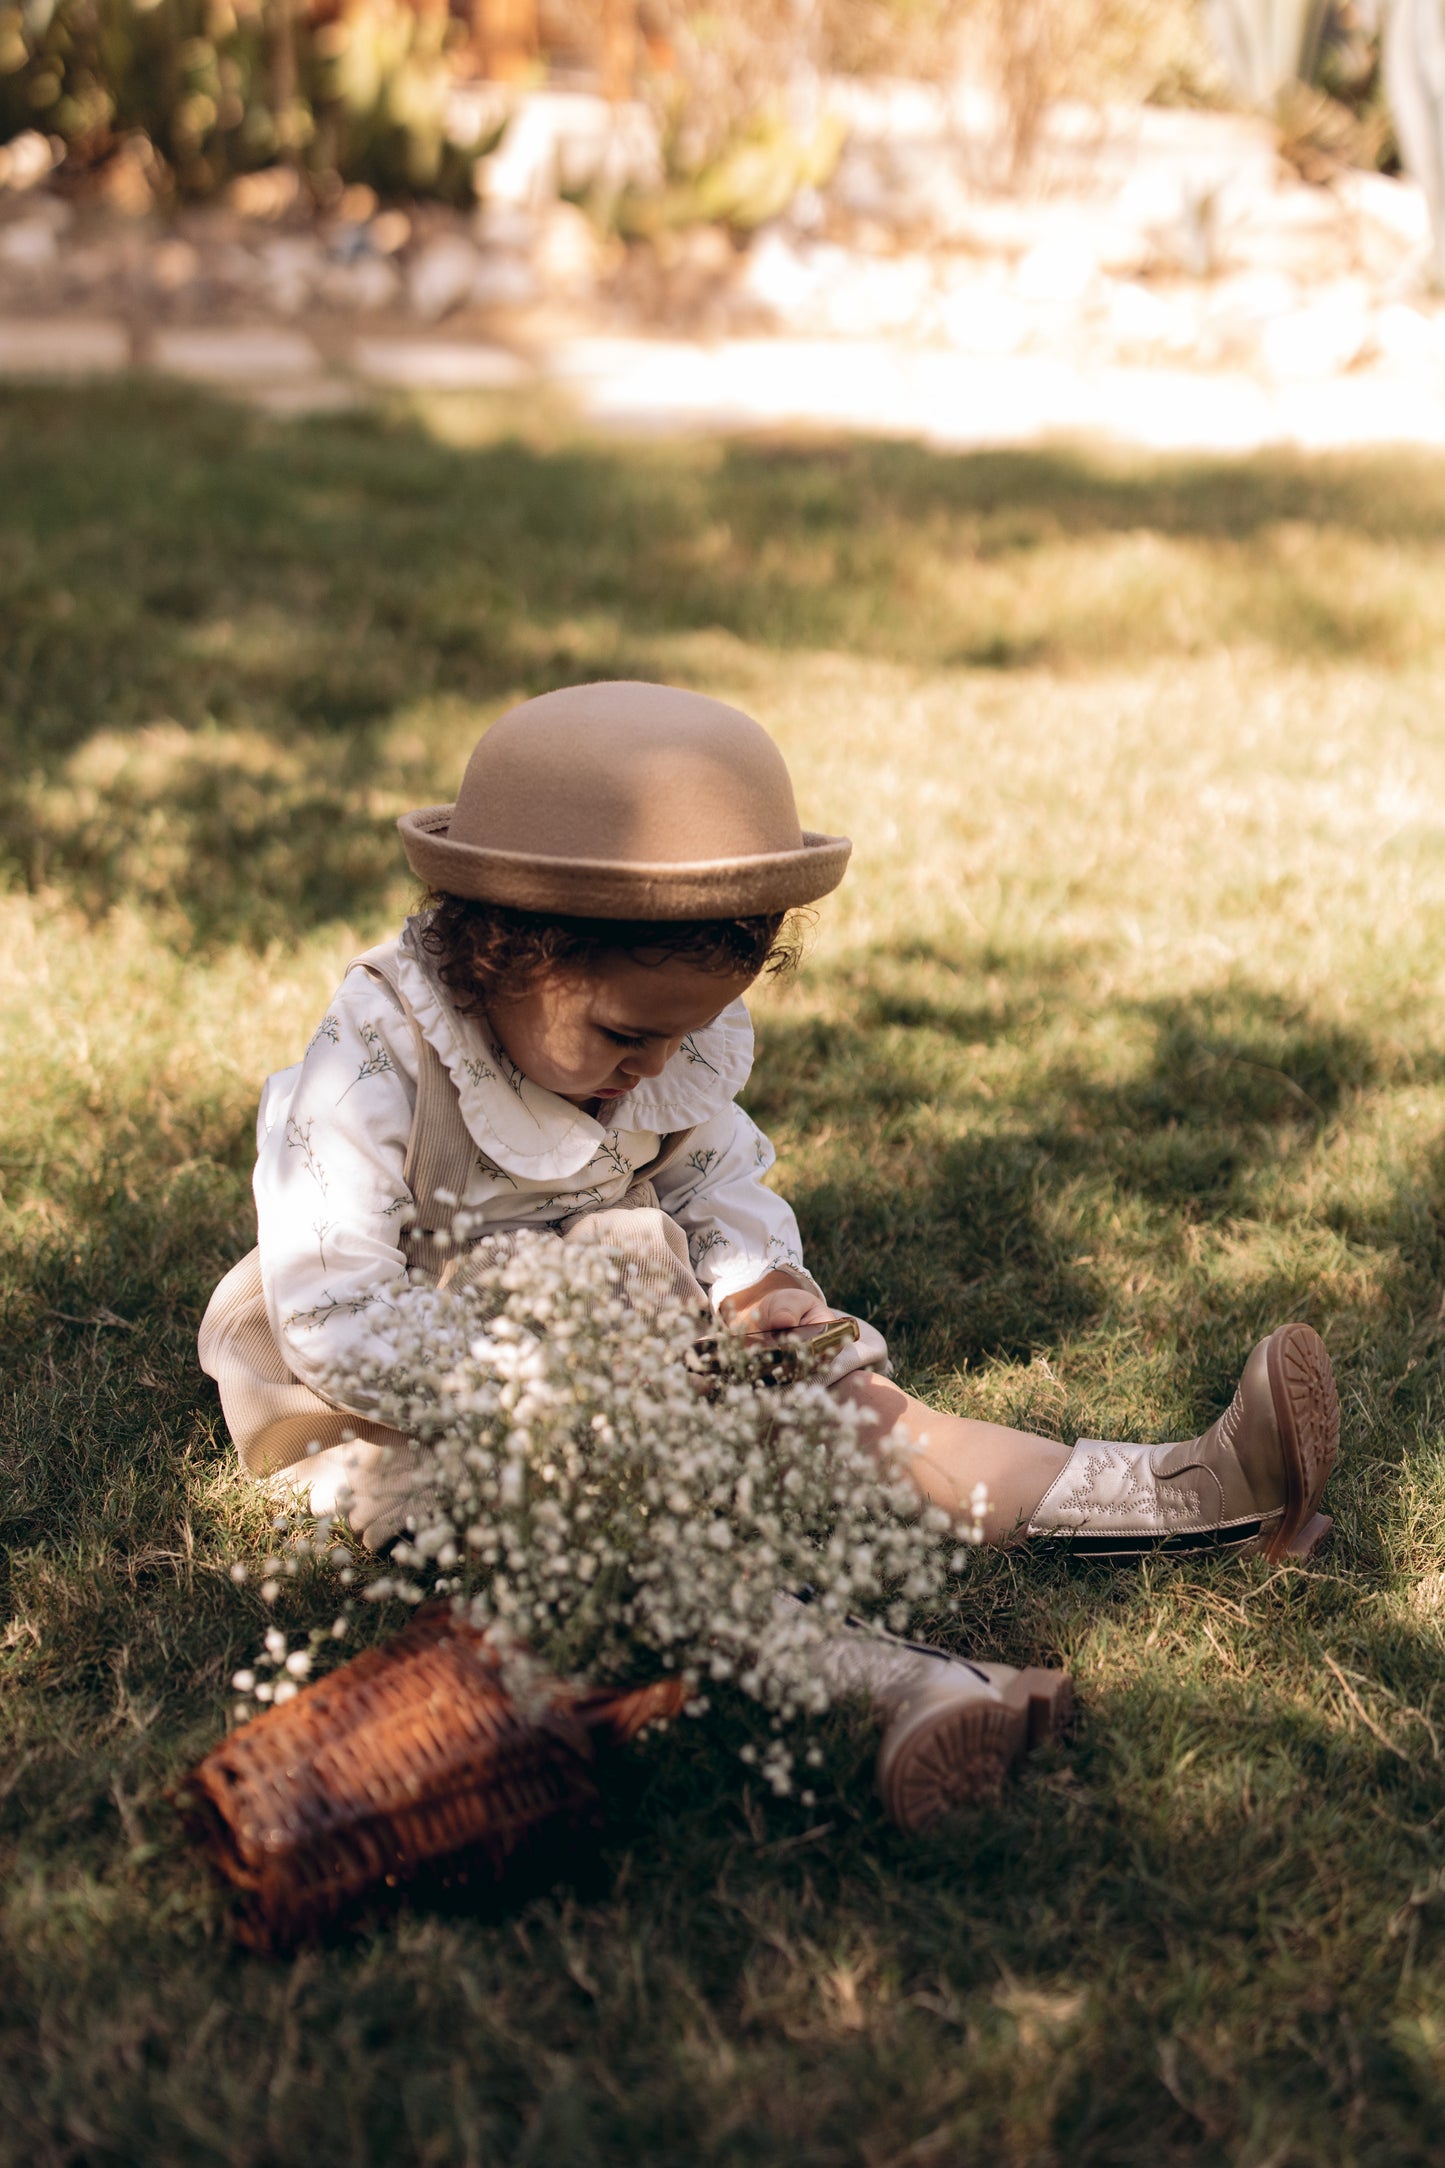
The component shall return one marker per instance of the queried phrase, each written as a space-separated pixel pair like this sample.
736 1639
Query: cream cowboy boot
951 1728
1253 1479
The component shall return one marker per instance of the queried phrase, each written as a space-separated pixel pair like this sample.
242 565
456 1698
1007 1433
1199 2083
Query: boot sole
949 1757
1307 1415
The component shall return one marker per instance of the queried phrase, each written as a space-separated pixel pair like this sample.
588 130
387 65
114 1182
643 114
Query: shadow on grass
236 647
977 1246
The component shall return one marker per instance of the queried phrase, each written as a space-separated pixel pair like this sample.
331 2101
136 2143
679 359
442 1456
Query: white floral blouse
332 1137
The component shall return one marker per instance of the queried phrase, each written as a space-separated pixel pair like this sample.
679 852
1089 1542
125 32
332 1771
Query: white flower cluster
603 1516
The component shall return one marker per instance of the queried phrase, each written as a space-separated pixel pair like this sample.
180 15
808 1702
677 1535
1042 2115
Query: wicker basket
409 1759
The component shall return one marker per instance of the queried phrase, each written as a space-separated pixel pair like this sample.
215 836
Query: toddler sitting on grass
555 1042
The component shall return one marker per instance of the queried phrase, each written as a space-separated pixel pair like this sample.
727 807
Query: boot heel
1303 1544
1047 1700
1311 1538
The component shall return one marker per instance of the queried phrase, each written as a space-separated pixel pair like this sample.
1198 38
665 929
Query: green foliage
1120 1043
220 87
753 177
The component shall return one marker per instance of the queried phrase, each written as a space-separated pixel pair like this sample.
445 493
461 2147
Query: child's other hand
775 1305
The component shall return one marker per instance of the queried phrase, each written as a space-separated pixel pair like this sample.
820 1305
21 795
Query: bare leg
954 1454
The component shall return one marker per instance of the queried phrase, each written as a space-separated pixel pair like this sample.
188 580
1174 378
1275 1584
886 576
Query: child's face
595 1035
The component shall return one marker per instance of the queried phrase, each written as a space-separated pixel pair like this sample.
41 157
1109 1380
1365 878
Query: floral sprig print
334 1306
516 1081
514 1076
702 1160
612 1154
701 1247
784 1253
691 1053
298 1139
328 1029
378 1061
496 1173
403 1203
479 1071
564 1201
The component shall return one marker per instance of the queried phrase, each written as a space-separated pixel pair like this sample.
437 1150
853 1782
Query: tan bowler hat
625 801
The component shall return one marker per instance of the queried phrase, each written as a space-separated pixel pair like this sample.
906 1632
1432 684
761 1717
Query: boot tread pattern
961 1757
955 1761
1307 1409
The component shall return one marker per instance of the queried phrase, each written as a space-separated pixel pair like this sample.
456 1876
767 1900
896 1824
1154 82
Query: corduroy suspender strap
440 1152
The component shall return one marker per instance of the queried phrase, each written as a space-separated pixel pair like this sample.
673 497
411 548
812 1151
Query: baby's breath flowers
600 1518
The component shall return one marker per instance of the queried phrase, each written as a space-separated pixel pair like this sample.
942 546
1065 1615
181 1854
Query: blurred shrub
1037 52
728 64
753 177
740 102
379 82
1098 51
220 87
736 82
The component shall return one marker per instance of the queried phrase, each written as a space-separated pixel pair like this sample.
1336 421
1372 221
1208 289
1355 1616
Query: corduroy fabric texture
274 1419
625 800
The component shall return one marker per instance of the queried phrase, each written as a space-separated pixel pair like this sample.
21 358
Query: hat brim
612 888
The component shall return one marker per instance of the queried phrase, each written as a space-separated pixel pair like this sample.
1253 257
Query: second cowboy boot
1254 1478
951 1728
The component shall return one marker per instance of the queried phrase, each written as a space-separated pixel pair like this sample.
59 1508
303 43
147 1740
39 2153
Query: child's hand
775 1305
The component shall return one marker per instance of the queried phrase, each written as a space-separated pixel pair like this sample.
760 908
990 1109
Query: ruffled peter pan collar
531 1132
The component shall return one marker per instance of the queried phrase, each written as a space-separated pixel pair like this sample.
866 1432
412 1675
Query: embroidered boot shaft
1254 1478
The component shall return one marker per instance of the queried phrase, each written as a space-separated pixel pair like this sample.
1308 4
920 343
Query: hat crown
629 773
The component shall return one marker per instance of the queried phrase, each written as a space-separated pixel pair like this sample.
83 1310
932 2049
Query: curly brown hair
487 952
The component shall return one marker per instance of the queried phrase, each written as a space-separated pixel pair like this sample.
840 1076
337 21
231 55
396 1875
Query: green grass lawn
1122 1043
